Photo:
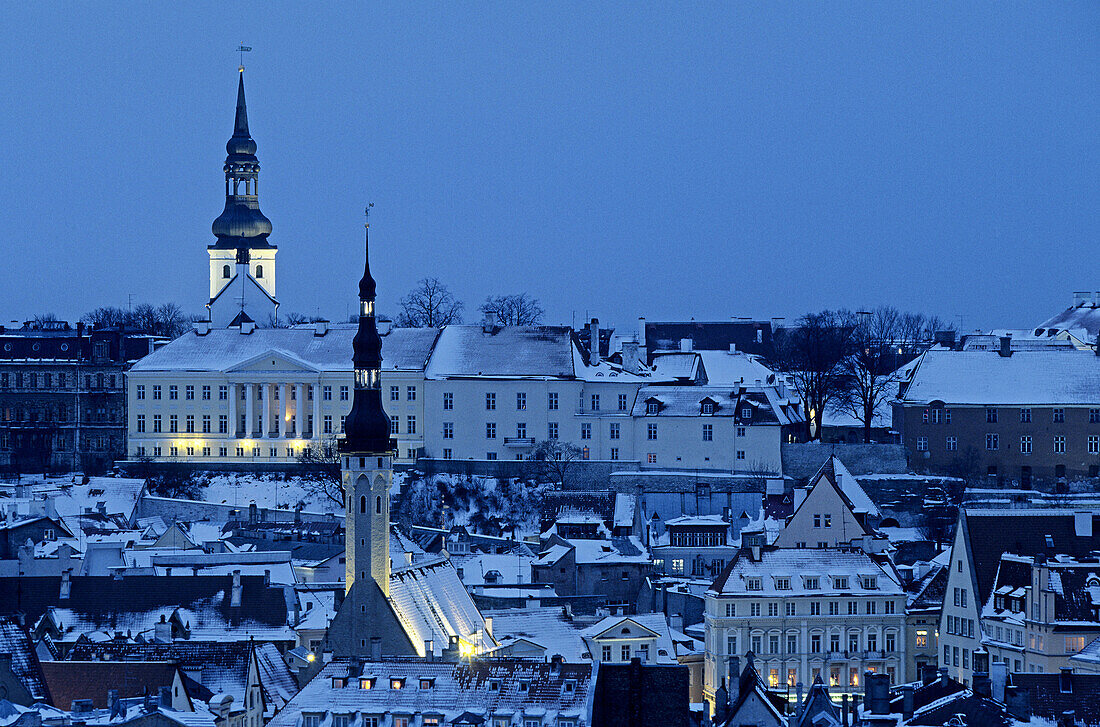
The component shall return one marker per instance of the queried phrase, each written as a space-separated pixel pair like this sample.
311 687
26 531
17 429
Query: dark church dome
240 220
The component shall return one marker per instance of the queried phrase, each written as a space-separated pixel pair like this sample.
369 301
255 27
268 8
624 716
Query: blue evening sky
618 159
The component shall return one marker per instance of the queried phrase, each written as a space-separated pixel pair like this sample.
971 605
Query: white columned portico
316 433
269 405
281 428
250 410
231 430
299 402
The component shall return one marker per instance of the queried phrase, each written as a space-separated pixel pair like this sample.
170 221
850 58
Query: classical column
299 402
269 405
317 430
249 410
231 431
284 394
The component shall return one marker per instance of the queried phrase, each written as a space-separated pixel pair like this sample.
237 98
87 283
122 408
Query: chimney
326 656
630 357
320 328
235 597
376 648
982 686
429 649
1006 346
247 327
641 333
555 663
162 630
907 701
385 325
201 327
594 342
66 585
797 699
1080 298
164 697
998 679
685 345
944 679
252 512
112 699
735 668
676 622
878 693
733 348
1082 524
844 710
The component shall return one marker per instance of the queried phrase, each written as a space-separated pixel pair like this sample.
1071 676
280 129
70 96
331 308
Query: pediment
271 361
627 629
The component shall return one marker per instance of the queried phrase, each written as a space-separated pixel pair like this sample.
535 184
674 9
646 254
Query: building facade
1009 416
806 614
63 396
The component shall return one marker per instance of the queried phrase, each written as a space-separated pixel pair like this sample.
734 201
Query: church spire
367 428
241 224
240 123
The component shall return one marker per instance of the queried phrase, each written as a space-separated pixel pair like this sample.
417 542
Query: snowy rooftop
510 688
547 627
432 604
687 401
534 352
225 348
1024 378
839 572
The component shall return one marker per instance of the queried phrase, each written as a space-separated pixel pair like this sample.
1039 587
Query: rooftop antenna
241 50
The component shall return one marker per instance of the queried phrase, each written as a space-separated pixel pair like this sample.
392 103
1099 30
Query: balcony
519 442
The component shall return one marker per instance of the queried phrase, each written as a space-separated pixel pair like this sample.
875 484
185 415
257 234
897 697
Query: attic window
870 583
626 631
366 683
1050 541
746 412
339 682
494 685
840 583
427 683
524 685
570 685
708 407
754 584
396 683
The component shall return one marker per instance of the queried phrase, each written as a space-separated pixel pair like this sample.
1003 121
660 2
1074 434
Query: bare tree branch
429 305
513 310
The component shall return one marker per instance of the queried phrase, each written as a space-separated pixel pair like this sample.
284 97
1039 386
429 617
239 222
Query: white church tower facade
242 260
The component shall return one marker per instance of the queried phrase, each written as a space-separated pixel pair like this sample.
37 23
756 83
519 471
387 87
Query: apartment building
971 616
1011 416
806 614
63 396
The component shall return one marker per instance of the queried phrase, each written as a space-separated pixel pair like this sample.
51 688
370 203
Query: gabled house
21 679
832 511
748 702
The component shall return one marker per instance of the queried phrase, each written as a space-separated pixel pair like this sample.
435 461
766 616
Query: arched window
378 505
363 504
225 271
259 271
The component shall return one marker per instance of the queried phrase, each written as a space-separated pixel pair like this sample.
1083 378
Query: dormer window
813 583
524 686
706 406
494 685
366 683
426 683
652 407
397 683
870 583
746 412
339 682
840 583
753 584
782 583
570 686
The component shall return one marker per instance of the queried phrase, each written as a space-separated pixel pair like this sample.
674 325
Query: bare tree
171 322
320 464
107 316
512 310
810 354
429 305
41 318
554 460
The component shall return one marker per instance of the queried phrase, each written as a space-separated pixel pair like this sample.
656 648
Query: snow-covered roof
432 604
726 369
795 564
511 688
509 568
225 348
686 401
626 506
529 352
676 365
546 626
839 475
653 625
1024 378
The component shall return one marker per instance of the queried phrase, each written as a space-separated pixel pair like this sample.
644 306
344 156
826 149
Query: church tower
242 261
366 452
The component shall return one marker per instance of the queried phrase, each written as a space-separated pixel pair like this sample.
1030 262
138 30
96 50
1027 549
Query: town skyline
687 144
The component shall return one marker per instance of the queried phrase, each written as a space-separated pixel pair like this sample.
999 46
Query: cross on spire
242 49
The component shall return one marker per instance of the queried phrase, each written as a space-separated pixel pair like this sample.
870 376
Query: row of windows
775 643
552 401
790 608
223 392
992 414
48 380
811 583
205 451
1027 443
553 431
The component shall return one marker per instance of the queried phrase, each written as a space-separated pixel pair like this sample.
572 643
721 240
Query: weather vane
242 49
366 214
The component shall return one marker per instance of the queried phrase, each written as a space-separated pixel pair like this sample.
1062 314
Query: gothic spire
367 428
241 223
240 123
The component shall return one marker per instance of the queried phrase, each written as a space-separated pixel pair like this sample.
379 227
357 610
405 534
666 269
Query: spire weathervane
366 214
242 49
